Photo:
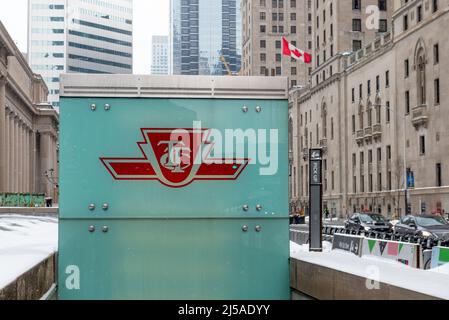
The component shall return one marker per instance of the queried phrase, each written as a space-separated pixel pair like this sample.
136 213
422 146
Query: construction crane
228 68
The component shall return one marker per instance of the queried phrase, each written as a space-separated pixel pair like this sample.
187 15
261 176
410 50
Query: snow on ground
25 241
431 282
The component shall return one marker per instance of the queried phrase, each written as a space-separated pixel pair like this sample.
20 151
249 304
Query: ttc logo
174 157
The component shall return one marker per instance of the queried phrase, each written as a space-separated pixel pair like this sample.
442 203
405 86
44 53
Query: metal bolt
245 109
245 228
91 207
258 228
259 207
105 207
105 229
107 107
93 107
91 229
258 109
246 207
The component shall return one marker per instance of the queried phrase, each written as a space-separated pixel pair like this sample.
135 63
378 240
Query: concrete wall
33 284
327 284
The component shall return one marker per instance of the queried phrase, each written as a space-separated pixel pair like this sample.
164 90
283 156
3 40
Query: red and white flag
290 50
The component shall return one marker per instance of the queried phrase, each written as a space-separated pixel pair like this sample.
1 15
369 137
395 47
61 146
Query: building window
434 5
407 102
383 5
388 152
353 95
436 54
263 43
421 77
389 184
387 111
422 145
387 79
356 5
278 57
361 91
369 87
293 29
406 68
353 123
419 13
263 29
439 175
263 16
377 83
383 25
356 45
278 71
278 44
356 25
437 91
293 71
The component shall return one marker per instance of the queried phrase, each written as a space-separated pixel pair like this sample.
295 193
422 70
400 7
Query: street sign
316 201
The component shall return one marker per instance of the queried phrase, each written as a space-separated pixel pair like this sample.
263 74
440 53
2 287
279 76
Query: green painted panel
178 259
86 136
163 242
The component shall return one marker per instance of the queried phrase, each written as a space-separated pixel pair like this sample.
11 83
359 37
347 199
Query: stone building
264 23
28 126
378 114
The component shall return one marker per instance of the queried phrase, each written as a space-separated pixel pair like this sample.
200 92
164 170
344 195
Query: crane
228 68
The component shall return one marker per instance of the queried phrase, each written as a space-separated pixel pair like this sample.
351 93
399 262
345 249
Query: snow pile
430 282
25 242
444 269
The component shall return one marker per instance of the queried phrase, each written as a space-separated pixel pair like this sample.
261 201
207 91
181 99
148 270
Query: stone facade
265 22
379 116
28 126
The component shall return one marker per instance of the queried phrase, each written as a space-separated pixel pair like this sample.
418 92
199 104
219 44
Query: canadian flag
290 50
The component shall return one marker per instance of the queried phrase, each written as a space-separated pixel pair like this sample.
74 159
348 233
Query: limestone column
16 154
20 158
7 146
45 161
3 172
24 158
28 154
33 162
12 119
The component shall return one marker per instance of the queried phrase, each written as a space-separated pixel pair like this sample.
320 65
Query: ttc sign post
316 201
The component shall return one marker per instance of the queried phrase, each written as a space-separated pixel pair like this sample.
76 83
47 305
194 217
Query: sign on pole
316 201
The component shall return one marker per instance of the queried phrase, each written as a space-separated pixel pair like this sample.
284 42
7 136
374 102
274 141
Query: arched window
378 108
369 111
420 67
421 78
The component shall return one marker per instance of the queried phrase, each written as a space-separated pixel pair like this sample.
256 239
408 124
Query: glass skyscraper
202 33
79 36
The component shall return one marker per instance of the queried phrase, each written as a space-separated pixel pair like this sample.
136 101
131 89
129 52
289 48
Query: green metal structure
135 224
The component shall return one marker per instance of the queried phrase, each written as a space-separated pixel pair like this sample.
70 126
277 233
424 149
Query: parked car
368 222
428 226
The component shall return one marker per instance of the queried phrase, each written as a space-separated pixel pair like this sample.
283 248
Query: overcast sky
151 17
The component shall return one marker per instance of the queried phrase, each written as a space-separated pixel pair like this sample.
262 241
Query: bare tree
399 179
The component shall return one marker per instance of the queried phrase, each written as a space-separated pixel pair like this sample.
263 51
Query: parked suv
429 226
368 222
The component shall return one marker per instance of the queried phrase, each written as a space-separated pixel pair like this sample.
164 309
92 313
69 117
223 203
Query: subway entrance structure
149 209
